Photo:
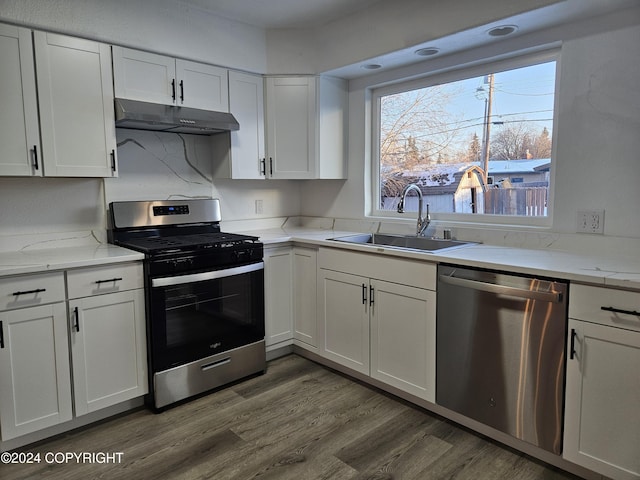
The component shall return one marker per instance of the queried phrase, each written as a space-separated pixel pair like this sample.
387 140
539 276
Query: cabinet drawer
392 269
606 306
85 282
30 290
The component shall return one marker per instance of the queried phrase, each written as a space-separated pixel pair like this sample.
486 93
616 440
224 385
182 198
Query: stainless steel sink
408 242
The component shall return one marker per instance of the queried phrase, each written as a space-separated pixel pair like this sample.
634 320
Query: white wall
36 205
597 137
162 26
597 141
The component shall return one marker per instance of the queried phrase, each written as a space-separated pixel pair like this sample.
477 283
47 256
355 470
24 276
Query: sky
525 93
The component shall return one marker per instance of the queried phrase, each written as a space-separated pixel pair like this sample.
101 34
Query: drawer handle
219 363
109 281
619 310
27 292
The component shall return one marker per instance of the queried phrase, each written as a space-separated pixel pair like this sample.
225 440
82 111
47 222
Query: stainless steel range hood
167 118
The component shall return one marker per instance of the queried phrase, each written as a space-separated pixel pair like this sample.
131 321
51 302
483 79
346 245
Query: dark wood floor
298 421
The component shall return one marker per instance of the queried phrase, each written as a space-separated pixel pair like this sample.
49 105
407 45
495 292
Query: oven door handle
212 275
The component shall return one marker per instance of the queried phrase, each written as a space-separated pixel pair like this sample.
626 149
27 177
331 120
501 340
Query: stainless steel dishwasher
500 351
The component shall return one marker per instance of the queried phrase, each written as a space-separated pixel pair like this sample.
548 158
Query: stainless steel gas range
204 295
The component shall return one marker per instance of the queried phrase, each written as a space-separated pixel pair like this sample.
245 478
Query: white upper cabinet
153 78
202 86
75 96
20 132
144 76
241 155
306 120
291 127
74 134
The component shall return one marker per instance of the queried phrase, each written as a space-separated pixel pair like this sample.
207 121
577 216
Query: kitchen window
477 141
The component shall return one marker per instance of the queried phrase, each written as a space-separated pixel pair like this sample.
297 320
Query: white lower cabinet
602 423
108 349
343 312
35 381
278 296
403 338
304 297
290 297
101 330
376 316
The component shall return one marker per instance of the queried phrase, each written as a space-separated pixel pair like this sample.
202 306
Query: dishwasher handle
553 297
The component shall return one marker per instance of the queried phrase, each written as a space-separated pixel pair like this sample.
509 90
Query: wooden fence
527 201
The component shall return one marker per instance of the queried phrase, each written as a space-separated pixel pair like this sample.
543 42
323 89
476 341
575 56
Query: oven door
197 315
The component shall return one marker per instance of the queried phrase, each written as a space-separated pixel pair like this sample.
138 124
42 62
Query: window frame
448 75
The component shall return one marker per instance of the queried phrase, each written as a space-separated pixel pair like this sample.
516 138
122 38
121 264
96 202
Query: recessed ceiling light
371 66
502 30
427 52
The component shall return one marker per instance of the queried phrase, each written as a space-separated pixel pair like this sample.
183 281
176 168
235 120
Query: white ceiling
271 14
312 14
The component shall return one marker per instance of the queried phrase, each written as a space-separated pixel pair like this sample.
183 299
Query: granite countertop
613 271
49 259
610 270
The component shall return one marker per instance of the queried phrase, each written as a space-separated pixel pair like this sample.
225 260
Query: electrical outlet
259 209
590 221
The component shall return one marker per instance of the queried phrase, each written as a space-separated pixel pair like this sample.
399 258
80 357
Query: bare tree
420 115
541 147
520 140
415 129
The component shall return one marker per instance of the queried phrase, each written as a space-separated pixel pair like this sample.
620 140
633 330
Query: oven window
192 321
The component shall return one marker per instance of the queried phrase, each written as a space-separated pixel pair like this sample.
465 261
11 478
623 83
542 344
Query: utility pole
487 128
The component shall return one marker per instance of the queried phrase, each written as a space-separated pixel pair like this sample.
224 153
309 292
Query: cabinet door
202 86
333 118
108 346
35 381
245 159
291 127
75 95
602 425
403 333
278 289
343 316
304 296
144 76
19 135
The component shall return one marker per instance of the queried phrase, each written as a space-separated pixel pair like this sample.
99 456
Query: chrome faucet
423 222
